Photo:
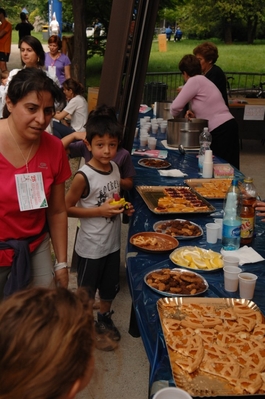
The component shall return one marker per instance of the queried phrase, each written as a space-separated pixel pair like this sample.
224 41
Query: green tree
202 17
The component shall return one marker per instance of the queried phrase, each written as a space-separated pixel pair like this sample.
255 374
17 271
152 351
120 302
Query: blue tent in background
25 10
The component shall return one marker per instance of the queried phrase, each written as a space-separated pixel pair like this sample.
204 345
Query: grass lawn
237 57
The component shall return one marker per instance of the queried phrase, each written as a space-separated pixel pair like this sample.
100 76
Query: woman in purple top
56 62
206 102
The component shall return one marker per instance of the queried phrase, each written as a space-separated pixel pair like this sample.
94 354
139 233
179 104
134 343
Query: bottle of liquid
248 197
232 220
205 139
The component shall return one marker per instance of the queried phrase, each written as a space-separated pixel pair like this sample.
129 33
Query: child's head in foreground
46 344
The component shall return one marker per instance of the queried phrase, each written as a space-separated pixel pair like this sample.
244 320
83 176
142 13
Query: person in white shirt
54 26
74 116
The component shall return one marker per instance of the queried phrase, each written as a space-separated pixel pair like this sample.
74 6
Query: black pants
225 142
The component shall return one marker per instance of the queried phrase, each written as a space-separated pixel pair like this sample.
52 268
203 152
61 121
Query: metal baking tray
151 195
194 183
199 383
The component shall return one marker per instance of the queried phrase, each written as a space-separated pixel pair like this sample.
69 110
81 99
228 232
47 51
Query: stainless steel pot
185 132
162 110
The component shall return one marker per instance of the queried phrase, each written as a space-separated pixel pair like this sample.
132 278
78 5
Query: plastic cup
147 118
231 261
154 128
247 284
143 131
151 142
163 128
231 277
171 393
208 156
212 232
143 141
142 122
220 231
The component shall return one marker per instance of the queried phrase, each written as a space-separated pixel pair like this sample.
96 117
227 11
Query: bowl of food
176 282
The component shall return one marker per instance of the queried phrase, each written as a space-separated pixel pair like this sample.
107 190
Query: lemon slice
190 256
182 261
216 262
200 263
195 252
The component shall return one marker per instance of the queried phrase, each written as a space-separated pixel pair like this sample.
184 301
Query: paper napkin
171 173
245 254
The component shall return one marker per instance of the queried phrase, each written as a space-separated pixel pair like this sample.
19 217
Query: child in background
4 76
89 198
74 116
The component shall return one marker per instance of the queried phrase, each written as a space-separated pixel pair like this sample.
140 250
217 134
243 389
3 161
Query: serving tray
212 188
215 343
151 195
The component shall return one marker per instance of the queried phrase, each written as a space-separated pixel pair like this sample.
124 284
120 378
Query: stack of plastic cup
154 127
151 142
163 127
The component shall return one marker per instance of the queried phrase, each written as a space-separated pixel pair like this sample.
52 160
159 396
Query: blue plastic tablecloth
139 263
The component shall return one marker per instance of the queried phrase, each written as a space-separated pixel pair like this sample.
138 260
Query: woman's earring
38 59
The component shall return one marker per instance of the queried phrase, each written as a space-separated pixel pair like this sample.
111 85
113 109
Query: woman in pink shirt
206 102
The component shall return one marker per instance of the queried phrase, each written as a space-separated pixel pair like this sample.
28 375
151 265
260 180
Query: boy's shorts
4 56
102 274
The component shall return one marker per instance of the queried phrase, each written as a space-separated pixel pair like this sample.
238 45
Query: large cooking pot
185 131
162 110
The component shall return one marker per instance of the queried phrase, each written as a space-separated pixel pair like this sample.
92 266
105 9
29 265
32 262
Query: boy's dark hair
99 125
103 110
191 65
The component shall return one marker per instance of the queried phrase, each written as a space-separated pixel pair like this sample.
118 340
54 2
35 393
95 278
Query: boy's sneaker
104 343
105 325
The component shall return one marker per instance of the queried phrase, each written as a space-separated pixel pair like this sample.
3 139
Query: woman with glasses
34 168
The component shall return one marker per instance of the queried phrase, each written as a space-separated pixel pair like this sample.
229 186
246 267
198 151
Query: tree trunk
228 32
252 27
78 64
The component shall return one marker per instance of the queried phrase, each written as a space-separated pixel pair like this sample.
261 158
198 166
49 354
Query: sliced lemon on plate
200 263
197 258
182 261
216 262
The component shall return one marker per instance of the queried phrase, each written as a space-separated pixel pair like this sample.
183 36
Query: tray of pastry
174 199
210 188
215 345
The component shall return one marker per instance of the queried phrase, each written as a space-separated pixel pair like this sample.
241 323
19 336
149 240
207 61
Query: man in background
5 40
24 27
54 26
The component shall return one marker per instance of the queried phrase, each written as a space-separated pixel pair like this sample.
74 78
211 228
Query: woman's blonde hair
46 342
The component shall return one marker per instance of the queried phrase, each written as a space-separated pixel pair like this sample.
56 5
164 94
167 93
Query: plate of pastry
181 229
